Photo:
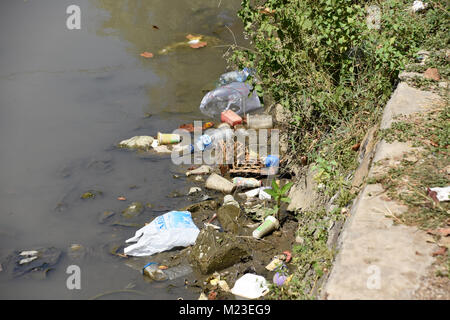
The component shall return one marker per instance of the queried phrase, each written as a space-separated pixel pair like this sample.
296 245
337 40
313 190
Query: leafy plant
279 195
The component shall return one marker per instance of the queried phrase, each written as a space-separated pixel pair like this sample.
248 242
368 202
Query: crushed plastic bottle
236 96
153 271
235 76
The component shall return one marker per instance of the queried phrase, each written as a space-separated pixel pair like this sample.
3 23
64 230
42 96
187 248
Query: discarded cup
230 117
259 121
219 183
241 182
168 138
269 224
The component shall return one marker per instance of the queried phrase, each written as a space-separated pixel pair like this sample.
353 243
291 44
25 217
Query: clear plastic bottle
236 96
152 271
234 76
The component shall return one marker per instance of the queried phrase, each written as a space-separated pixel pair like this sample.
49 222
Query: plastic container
235 96
234 76
246 182
269 224
219 183
230 117
250 286
152 271
168 138
259 121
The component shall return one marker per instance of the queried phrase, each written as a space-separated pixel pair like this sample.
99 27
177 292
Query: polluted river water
67 97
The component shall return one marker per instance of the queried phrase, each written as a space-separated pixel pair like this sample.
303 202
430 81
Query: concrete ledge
378 259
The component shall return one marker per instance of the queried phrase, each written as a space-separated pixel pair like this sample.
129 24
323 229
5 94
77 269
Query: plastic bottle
152 271
234 96
234 76
246 182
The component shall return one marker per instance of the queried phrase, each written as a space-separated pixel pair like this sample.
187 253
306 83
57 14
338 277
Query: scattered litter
121 198
204 169
270 224
230 117
137 142
442 194
250 286
194 190
229 200
27 260
259 121
146 54
236 96
173 229
207 224
418 6
168 138
279 278
262 195
219 183
241 182
36 260
202 296
288 256
162 149
274 264
235 76
162 273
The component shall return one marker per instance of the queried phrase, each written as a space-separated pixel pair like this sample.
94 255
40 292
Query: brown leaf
147 54
155 27
199 44
440 252
356 146
266 10
121 198
433 195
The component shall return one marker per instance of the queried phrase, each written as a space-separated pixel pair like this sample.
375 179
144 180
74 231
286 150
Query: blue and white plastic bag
173 229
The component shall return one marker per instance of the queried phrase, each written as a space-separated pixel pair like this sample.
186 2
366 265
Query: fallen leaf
356 146
163 267
433 195
122 198
199 44
147 54
266 10
155 27
440 252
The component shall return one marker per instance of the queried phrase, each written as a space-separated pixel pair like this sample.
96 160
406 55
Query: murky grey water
66 98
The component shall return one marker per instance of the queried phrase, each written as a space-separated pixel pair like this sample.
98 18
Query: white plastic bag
173 229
